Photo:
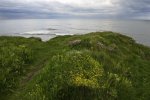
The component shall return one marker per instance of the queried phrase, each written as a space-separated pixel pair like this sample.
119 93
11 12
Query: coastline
47 36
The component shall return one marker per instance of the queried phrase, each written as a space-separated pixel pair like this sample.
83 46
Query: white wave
39 32
47 32
62 34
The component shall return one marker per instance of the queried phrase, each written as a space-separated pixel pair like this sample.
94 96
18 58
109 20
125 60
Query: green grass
95 66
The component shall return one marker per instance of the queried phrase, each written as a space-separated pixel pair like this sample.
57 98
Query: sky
131 9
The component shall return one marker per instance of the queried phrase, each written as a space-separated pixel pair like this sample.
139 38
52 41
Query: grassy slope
95 66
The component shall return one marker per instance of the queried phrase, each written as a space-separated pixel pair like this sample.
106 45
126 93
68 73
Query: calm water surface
49 28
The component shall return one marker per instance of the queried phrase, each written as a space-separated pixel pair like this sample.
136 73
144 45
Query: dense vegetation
17 54
95 66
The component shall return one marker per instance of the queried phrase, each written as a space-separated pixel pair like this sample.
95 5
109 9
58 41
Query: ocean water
49 28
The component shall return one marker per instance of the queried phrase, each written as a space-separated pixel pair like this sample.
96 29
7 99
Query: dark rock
100 45
74 42
112 47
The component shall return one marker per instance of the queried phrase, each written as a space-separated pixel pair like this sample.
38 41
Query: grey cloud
134 8
57 9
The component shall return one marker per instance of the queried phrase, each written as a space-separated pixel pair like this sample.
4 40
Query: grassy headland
95 66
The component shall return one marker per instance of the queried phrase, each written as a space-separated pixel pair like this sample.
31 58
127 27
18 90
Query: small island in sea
94 66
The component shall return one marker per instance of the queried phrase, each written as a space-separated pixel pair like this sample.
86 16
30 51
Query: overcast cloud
75 9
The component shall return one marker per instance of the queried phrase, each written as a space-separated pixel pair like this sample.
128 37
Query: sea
46 29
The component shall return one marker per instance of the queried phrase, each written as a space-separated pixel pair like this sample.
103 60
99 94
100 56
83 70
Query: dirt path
27 78
33 73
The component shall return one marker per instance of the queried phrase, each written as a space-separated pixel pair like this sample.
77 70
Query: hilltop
94 66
